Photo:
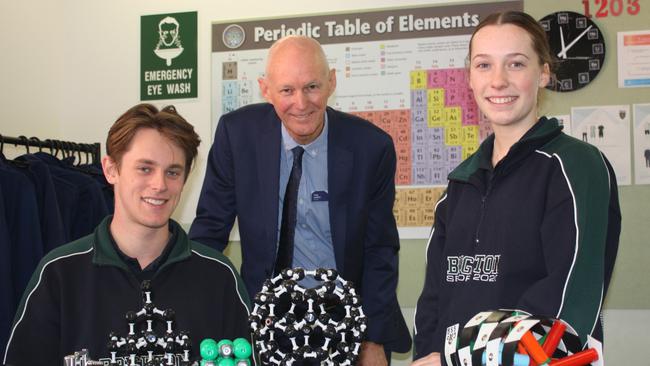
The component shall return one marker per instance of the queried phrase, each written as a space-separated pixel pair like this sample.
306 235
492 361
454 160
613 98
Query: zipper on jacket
482 215
480 220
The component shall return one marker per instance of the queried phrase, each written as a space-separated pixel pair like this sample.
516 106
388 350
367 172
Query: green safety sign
168 56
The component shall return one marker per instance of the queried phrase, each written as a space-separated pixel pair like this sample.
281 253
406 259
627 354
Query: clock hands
561 43
562 53
579 57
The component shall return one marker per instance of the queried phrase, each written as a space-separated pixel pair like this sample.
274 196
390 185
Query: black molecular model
323 325
141 343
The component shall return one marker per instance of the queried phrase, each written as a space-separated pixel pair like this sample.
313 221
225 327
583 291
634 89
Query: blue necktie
284 257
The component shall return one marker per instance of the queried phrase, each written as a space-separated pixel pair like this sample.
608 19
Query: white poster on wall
401 69
608 128
641 133
633 59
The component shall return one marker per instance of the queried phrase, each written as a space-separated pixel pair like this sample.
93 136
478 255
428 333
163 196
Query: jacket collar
268 171
105 254
537 136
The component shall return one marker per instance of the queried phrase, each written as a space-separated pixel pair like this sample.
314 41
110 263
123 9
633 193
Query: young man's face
148 182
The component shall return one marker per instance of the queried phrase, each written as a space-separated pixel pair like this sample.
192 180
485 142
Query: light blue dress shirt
313 238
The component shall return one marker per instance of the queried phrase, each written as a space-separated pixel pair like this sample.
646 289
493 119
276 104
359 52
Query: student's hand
372 354
433 359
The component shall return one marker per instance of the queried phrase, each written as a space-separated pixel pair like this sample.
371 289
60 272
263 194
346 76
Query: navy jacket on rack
7 301
89 204
44 203
52 229
24 246
21 216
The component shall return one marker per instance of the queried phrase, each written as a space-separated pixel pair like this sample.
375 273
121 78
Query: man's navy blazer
242 180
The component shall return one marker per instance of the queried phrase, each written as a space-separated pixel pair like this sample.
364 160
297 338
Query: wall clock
579 46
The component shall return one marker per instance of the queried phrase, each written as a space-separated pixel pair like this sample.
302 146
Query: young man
81 291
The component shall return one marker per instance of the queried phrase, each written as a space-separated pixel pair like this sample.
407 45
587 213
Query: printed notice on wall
168 56
633 59
607 128
401 69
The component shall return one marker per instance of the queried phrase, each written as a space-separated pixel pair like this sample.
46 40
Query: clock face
579 46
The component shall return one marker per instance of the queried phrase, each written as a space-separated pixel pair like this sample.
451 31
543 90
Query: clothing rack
67 148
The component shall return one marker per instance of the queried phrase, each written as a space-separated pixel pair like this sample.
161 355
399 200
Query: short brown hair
528 24
166 121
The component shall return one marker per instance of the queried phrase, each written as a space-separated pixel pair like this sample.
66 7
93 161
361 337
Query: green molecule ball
225 347
242 348
209 349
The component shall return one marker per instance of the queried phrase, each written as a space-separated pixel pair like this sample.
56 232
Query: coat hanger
23 140
88 154
67 148
60 147
77 150
48 143
38 142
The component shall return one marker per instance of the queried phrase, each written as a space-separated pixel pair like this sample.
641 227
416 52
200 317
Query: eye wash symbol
169 44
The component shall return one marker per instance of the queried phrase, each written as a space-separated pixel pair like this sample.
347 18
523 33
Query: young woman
530 221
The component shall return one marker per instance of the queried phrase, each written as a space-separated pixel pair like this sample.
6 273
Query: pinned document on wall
607 128
633 59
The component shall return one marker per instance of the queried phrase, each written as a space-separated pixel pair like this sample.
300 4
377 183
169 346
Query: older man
311 187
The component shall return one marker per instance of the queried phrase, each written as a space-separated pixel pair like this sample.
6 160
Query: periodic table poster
402 69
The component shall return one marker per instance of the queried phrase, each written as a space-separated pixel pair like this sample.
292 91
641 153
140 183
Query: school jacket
537 233
80 292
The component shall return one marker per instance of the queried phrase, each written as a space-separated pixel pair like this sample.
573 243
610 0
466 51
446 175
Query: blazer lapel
268 173
340 165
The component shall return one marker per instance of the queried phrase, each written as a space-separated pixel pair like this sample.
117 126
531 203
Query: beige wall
69 68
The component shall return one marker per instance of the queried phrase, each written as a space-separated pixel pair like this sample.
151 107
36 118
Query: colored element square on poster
418 79
415 206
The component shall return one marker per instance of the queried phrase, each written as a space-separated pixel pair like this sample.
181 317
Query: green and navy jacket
80 293
538 233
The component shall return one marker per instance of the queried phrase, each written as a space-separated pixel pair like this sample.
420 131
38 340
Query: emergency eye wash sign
168 56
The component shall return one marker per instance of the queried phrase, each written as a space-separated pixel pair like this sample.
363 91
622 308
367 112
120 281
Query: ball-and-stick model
322 325
142 342
507 338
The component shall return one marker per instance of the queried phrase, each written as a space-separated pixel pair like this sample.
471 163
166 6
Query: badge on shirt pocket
319 196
